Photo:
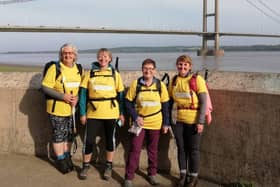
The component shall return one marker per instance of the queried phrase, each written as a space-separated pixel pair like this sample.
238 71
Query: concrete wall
242 144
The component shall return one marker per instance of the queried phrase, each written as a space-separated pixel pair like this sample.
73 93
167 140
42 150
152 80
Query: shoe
62 166
108 171
69 162
192 182
152 180
182 180
83 173
128 183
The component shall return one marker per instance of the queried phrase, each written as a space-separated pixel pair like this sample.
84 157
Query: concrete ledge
242 144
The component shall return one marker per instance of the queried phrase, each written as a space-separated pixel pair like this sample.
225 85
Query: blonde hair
102 50
184 58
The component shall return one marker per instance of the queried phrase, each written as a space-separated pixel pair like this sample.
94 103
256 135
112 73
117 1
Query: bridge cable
6 2
269 8
263 12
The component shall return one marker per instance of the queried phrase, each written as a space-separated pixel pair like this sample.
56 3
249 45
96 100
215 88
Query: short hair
101 50
148 61
184 58
74 48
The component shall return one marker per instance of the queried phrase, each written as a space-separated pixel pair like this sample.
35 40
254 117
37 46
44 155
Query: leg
92 128
134 155
110 134
193 143
152 147
181 154
59 137
68 143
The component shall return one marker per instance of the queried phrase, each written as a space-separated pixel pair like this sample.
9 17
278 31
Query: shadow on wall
33 105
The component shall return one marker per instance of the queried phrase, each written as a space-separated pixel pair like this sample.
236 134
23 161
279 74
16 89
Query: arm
131 109
202 110
165 114
52 93
120 98
202 107
83 104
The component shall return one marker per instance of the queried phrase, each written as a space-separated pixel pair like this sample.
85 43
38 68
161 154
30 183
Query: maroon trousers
152 138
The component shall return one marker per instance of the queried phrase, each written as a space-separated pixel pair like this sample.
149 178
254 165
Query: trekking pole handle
206 74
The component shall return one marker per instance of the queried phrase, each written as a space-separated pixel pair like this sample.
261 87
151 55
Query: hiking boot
69 163
128 183
182 180
108 171
62 166
152 180
83 173
192 182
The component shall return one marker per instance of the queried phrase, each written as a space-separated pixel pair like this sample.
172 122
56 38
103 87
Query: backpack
58 72
193 87
95 65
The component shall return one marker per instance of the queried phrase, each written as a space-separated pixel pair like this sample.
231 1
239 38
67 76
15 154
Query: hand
67 97
74 100
199 128
83 120
140 121
164 129
121 117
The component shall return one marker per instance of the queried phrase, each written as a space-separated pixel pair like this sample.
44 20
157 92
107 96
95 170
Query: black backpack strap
174 80
166 79
117 64
80 68
158 85
57 69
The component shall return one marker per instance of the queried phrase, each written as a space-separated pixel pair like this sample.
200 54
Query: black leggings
188 143
94 127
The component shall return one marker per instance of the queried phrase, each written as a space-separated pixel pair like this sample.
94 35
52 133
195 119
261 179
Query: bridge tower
215 51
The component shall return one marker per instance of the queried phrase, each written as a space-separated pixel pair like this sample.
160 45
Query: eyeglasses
67 53
148 69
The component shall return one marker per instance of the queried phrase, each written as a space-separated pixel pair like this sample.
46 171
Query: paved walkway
27 171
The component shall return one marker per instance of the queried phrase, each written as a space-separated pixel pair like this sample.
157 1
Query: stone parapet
242 144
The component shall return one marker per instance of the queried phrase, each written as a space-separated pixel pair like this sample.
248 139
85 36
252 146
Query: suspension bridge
205 34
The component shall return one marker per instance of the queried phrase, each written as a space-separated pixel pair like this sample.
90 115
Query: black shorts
62 128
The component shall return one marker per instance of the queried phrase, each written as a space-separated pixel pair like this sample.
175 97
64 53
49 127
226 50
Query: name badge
72 84
182 95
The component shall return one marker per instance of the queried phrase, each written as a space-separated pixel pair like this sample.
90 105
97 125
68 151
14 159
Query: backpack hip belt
149 115
112 99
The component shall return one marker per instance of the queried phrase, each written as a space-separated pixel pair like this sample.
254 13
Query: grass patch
19 68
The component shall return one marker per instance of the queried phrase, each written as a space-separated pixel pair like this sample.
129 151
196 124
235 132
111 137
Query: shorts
62 128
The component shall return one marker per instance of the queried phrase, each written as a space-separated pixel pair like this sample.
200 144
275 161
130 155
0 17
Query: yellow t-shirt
103 85
149 102
181 95
67 82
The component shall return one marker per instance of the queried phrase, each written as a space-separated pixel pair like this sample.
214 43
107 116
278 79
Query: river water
259 61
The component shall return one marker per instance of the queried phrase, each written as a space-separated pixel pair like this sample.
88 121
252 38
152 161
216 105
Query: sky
240 16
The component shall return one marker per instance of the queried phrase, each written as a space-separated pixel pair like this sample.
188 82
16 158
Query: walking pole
74 143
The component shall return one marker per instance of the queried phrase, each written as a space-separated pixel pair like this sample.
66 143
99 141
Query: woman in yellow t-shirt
147 103
189 105
101 106
61 88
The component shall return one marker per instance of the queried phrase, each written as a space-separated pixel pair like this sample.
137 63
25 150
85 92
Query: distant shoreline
164 49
